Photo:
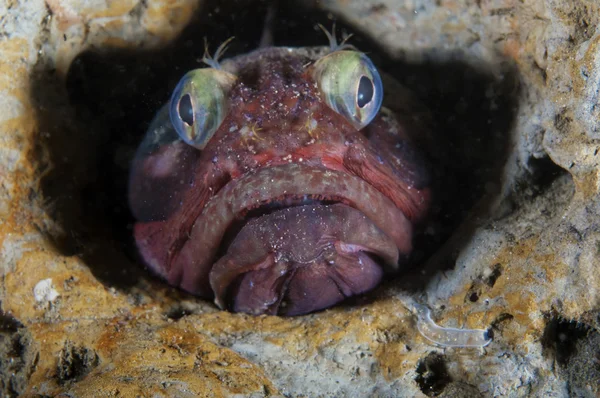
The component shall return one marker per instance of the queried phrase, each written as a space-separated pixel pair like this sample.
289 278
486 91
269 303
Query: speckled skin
279 146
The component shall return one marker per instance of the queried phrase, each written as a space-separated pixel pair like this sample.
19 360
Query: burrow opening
18 356
561 336
91 124
432 374
574 346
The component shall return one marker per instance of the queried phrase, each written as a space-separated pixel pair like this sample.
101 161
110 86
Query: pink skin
279 143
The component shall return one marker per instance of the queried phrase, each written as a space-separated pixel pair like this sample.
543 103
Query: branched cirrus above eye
350 85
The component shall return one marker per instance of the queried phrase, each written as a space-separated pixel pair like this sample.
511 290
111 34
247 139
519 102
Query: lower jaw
193 268
302 259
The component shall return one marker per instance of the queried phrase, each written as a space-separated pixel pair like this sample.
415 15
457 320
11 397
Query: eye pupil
185 109
365 92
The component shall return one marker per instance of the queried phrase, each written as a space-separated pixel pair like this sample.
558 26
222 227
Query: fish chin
301 259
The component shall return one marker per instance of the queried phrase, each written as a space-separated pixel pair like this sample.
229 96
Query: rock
513 86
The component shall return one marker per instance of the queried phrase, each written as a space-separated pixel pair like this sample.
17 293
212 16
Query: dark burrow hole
575 346
432 374
177 313
18 356
473 297
495 274
482 283
499 324
92 124
560 338
543 172
75 362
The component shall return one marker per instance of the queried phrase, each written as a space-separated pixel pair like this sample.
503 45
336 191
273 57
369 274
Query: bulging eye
350 85
199 104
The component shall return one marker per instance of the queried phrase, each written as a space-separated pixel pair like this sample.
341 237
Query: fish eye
199 105
186 110
365 91
350 85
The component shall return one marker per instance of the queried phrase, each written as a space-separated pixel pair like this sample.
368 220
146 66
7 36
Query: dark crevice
496 273
177 312
75 362
560 338
18 356
432 374
543 172
482 284
500 319
575 346
473 297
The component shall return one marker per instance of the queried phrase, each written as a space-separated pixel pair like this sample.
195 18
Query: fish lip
266 183
330 238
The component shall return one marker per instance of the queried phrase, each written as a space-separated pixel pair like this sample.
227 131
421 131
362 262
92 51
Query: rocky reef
513 87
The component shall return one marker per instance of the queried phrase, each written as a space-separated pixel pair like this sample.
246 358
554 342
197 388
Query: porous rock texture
517 83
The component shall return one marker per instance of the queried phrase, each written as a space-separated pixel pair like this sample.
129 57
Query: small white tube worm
448 337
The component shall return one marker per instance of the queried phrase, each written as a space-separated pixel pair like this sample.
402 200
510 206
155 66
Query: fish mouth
305 237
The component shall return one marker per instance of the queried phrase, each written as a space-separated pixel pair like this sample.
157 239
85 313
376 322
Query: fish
277 182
